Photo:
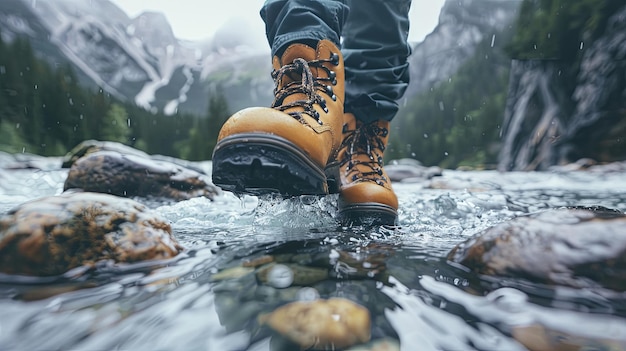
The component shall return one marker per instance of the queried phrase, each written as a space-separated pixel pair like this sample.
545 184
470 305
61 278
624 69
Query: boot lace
366 139
305 83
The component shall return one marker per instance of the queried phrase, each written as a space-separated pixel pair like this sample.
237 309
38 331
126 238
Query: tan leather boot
365 192
286 148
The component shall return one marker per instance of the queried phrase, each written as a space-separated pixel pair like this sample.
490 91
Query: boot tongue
298 51
293 52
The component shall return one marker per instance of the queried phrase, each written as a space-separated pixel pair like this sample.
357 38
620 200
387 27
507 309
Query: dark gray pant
372 35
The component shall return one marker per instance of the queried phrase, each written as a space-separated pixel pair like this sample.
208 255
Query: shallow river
417 300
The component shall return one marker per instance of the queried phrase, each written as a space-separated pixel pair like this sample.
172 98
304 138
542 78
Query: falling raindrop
581 45
441 107
493 40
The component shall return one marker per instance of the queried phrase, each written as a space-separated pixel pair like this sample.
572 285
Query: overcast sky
198 19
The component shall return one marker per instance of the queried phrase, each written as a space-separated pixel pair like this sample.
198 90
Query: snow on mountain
136 59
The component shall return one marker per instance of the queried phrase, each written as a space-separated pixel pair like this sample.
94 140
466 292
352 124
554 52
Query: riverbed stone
54 234
132 175
581 247
285 275
326 324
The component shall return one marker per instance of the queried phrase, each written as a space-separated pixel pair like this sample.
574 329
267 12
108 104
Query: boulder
90 146
54 234
131 175
581 247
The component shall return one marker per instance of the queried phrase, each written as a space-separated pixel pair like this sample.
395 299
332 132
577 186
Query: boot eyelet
334 59
329 90
334 97
333 77
322 104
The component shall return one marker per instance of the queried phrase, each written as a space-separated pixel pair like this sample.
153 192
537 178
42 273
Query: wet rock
129 175
52 235
575 246
410 170
335 323
90 146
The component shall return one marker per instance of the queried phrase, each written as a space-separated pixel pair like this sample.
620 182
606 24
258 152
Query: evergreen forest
44 110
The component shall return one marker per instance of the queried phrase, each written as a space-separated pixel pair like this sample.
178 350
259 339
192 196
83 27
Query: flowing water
417 299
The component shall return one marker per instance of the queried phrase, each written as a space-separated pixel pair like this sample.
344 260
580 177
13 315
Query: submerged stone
52 235
330 324
129 175
285 275
575 246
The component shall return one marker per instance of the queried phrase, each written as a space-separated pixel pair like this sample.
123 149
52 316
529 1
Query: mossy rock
54 234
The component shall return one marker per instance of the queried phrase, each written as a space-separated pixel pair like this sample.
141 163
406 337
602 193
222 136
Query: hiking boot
365 192
286 148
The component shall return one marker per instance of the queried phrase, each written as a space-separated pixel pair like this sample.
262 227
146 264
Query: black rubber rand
258 164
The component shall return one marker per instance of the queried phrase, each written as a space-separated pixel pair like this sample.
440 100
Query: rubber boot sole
367 214
258 164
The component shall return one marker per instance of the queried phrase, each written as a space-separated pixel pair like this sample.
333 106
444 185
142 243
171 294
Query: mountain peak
153 27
